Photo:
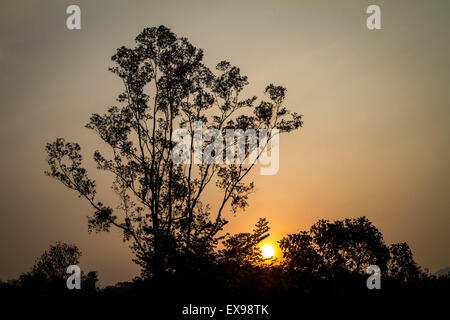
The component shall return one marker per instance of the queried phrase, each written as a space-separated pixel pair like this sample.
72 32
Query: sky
376 106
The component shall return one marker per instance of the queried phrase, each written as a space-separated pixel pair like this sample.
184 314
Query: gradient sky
376 107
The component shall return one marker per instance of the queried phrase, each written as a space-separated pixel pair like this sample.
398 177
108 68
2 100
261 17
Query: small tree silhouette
53 263
402 266
242 249
167 86
48 275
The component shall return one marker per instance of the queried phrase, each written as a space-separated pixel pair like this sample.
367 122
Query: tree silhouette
336 249
350 245
166 86
402 266
300 254
53 263
242 249
48 275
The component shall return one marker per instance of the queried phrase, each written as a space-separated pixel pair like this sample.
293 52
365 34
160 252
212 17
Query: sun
267 251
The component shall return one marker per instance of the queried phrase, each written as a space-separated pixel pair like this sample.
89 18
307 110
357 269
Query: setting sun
267 251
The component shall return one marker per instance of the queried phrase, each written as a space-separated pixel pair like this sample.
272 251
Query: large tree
166 86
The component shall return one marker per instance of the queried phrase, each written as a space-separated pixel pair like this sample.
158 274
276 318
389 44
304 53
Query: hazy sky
376 108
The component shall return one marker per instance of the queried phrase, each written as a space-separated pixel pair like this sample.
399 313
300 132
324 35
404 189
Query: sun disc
267 251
